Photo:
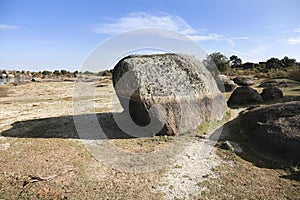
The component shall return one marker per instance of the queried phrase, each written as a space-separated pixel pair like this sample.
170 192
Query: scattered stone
173 92
271 93
3 76
244 96
4 146
244 80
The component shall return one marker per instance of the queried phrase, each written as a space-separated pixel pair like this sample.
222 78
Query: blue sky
57 34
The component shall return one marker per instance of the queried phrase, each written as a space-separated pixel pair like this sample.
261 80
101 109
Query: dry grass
240 179
3 91
248 176
76 174
80 176
142 145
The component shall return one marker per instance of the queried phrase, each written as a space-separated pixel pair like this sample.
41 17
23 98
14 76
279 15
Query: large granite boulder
271 93
274 130
244 96
175 92
244 80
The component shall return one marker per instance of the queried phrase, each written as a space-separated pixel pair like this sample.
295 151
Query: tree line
234 62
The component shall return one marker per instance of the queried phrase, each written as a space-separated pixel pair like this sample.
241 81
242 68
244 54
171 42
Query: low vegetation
272 68
204 127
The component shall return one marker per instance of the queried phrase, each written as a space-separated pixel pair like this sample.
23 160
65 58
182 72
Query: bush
294 74
105 73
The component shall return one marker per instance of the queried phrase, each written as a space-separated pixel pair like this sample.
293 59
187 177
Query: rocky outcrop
174 92
271 93
244 96
274 130
278 83
243 80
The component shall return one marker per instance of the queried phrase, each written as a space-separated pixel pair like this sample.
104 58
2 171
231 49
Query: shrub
294 74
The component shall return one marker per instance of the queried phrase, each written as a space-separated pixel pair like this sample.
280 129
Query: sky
40 35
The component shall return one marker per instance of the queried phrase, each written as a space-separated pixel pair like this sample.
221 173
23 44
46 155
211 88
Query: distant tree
287 62
220 60
105 73
45 72
64 72
88 73
56 72
76 72
273 63
235 61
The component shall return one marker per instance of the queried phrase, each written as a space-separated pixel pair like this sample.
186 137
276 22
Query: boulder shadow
64 127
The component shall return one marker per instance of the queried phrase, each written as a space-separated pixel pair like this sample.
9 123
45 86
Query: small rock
4 146
226 85
234 147
244 81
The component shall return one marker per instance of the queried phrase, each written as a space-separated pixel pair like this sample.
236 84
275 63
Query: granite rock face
170 92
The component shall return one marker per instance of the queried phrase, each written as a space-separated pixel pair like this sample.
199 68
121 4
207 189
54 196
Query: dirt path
193 166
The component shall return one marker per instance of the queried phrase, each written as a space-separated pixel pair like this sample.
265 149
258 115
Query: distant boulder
173 92
274 130
244 96
271 93
3 76
278 82
225 84
244 80
10 76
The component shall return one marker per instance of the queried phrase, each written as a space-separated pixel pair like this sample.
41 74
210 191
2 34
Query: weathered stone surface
244 96
175 91
274 130
225 84
271 93
244 80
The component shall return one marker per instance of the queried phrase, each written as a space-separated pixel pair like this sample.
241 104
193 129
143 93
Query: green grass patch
204 127
291 91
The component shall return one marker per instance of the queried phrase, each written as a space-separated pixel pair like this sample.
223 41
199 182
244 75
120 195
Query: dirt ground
42 157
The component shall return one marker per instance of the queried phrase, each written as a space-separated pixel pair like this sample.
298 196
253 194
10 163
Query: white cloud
206 37
143 20
175 23
8 27
297 30
241 38
294 40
